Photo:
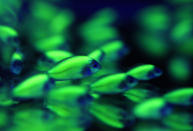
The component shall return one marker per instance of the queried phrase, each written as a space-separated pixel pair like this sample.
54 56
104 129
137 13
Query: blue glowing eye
13 39
123 51
49 85
86 71
16 39
51 81
157 70
46 87
131 79
95 64
123 86
83 100
151 75
16 66
166 110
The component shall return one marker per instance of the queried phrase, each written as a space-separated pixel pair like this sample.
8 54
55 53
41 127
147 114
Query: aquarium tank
80 65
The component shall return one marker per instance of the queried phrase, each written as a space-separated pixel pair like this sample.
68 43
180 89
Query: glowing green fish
182 96
16 62
111 115
110 51
116 83
145 72
70 95
179 120
74 68
179 69
155 18
153 108
140 93
50 43
33 87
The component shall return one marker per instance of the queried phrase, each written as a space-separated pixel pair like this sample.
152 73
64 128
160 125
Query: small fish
50 43
140 93
114 50
183 96
61 21
179 69
103 17
102 21
25 117
16 62
70 95
145 72
154 19
8 34
33 87
50 58
154 108
64 110
71 116
116 83
179 120
74 68
109 114
110 51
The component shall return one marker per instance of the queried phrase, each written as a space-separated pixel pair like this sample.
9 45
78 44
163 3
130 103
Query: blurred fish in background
166 33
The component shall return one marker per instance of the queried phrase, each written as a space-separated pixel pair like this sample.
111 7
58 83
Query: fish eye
123 86
151 75
95 64
49 84
15 39
166 110
16 66
123 51
83 100
46 87
157 70
86 71
17 63
52 81
131 79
